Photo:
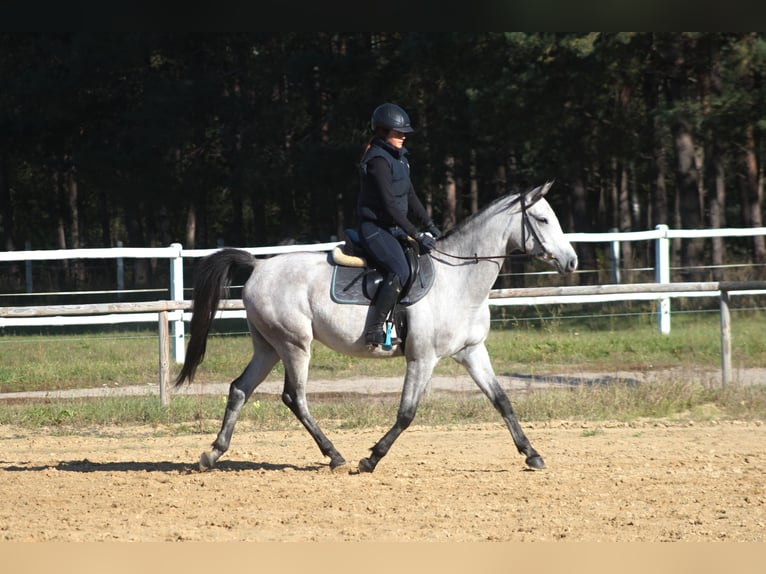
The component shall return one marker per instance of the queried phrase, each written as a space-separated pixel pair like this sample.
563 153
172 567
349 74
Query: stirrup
381 339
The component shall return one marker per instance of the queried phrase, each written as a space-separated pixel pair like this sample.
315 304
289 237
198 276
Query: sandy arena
604 482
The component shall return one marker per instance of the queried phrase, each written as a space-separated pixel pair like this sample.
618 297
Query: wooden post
725 338
164 357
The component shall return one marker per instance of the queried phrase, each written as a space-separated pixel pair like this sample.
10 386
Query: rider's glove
426 242
433 230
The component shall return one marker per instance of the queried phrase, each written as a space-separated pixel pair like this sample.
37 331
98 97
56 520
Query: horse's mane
499 204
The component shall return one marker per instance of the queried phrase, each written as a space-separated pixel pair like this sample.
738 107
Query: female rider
386 200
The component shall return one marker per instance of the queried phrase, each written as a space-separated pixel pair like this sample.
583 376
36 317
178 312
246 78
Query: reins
524 225
476 258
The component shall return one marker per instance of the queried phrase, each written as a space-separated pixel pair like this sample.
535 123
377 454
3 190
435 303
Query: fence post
177 294
615 259
164 357
725 338
662 273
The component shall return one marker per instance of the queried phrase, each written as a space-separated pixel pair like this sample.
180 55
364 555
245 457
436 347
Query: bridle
525 225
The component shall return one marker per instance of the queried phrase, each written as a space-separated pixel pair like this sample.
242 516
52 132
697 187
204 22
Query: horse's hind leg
296 363
476 360
264 359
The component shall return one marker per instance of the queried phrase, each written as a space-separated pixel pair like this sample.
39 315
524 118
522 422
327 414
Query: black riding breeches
385 250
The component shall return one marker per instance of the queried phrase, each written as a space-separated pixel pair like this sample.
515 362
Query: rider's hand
433 230
426 242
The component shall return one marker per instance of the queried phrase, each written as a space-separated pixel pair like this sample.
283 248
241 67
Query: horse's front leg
418 374
476 360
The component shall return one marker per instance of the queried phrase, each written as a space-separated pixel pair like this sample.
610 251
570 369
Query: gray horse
288 303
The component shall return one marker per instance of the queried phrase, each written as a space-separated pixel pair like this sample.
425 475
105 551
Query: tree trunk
62 280
450 196
474 184
512 272
73 204
716 186
614 194
753 193
14 276
258 202
6 208
191 227
625 220
581 214
136 238
340 217
501 181
751 179
74 209
688 179
106 219
658 205
715 182
689 196
61 234
659 202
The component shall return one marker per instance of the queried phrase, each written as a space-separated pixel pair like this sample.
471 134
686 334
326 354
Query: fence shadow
572 381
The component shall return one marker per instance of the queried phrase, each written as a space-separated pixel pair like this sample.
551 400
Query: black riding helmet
391 117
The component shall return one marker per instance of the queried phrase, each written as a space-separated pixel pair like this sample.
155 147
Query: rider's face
396 139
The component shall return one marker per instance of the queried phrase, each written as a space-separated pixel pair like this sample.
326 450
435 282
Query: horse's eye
543 220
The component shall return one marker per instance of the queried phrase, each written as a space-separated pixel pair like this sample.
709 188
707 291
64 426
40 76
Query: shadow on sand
86 465
571 381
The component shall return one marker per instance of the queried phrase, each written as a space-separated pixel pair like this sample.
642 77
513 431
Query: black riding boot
385 299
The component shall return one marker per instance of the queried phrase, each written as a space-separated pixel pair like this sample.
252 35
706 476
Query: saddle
355 282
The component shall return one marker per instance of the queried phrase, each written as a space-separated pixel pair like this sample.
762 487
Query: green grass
50 362
46 362
673 401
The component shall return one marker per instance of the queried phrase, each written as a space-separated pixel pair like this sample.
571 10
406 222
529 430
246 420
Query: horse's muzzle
571 265
568 265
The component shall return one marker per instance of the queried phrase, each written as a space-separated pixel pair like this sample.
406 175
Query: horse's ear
540 191
546 187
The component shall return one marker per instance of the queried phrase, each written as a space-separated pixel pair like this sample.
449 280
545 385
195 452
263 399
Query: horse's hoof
338 465
365 465
535 462
206 461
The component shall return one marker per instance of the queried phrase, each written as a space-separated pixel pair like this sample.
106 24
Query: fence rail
161 310
175 311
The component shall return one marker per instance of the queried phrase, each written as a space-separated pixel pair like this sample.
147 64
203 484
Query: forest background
253 139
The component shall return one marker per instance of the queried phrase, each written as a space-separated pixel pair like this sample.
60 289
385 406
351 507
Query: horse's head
540 233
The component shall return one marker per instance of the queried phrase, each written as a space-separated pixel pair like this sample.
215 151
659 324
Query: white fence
176 254
161 310
177 313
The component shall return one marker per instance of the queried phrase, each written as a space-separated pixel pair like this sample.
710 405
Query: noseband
525 224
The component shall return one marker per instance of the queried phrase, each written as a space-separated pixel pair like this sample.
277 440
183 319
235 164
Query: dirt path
606 482
463 383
